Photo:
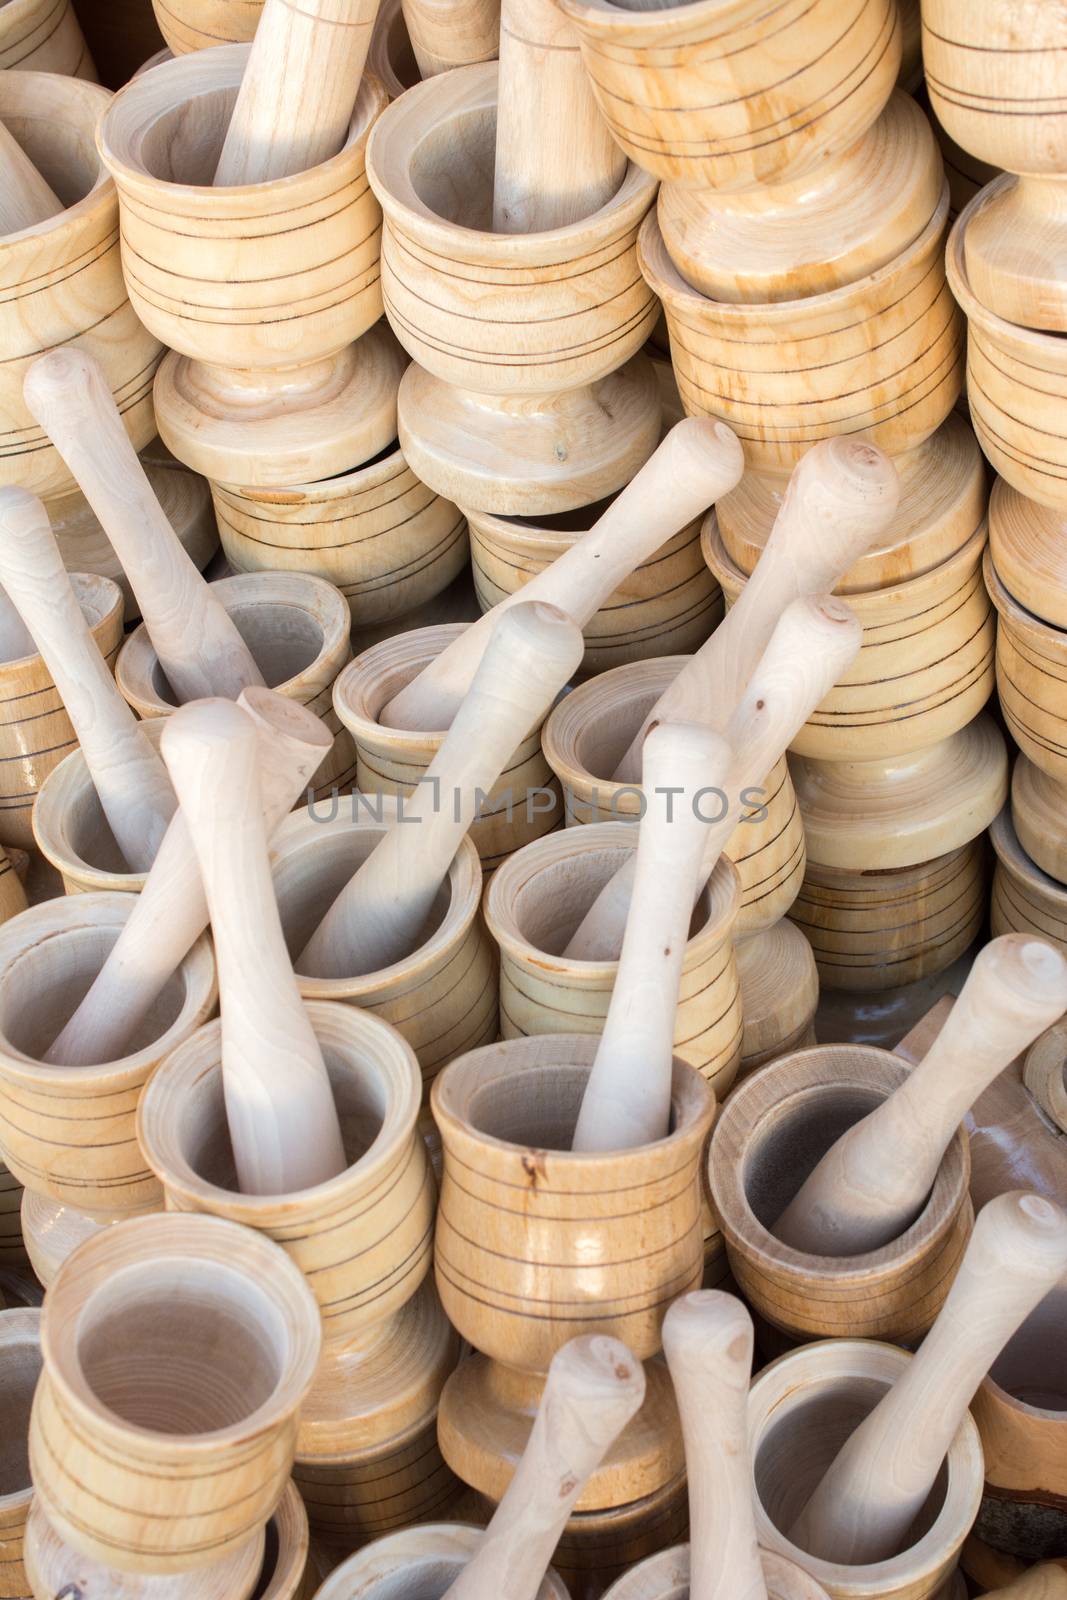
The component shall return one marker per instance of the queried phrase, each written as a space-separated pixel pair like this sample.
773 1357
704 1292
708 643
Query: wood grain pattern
44 36
779 994
588 731
522 805
698 98
771 1134
445 35
1031 674
925 668
443 996
12 1250
35 730
882 356
1027 543
516 404
201 24
20 1367
666 1577
193 257
880 929
1025 899
422 1560
61 281
539 896
68 1132
297 628
392 58
801 1409
1038 811
192 1373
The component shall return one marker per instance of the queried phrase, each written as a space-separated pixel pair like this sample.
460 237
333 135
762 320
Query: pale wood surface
1039 812
627 1100
864 1505
129 777
841 498
198 646
1031 672
416 1559
198 1342
445 34
26 198
279 1106
392 56
556 162
1046 1582
1025 899
20 1366
872 1183
813 643
298 90
1027 545
171 912
666 1577
779 993
201 24
376 919
594 1386
693 466
39 36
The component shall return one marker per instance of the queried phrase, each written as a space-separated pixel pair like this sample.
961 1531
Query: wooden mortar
541 408
40 36
779 994
444 35
12 894
378 534
586 735
537 899
20 1367
12 1249
443 996
1031 674
246 396
68 1133
1025 899
61 279
802 1408
772 1132
666 1577
1026 547
1038 809
522 805
417 1564
35 730
364 1241
668 605
201 24
197 1343
882 356
506 1115
391 57
693 94
881 929
186 502
297 628
925 668
1016 386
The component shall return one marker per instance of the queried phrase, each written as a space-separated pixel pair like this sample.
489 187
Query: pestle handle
25 197
872 1183
279 1104
130 779
815 641
841 497
556 162
627 1100
865 1503
377 917
697 462
708 1339
171 912
594 1386
452 33
198 645
299 89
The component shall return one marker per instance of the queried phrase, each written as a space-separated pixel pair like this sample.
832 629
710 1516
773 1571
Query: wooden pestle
197 643
814 642
556 162
698 461
871 1184
279 1104
130 779
594 1386
841 497
298 91
452 33
865 1503
25 197
708 1339
171 912
376 918
627 1100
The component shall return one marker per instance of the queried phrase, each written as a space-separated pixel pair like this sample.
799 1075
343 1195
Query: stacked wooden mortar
1003 266
804 287
281 390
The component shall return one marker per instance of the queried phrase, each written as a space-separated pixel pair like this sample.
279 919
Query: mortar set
391 1059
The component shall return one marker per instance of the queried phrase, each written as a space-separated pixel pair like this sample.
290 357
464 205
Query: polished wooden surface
779 994
20 1367
39 36
1039 816
1028 549
1031 674
1025 899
